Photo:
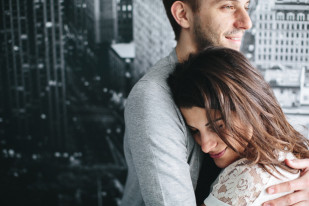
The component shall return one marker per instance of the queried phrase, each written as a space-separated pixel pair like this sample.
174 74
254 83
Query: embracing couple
205 104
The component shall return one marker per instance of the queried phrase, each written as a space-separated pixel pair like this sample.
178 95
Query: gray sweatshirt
162 157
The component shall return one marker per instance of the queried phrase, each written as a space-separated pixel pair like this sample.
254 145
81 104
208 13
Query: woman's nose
208 142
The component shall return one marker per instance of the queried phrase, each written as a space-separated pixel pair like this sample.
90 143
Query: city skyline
68 66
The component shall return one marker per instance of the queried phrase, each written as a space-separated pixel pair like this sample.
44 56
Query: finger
298 163
289 199
303 203
289 186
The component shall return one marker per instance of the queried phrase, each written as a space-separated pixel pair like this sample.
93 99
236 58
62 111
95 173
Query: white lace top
242 184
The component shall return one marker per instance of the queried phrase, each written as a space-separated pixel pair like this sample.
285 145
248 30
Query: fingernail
270 191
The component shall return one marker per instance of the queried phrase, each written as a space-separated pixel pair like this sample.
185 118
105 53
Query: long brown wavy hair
223 79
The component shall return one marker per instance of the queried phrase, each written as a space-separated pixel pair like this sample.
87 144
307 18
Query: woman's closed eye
194 131
220 126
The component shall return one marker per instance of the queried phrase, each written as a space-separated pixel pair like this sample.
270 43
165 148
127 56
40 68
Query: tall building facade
125 21
34 72
153 35
282 36
102 21
282 39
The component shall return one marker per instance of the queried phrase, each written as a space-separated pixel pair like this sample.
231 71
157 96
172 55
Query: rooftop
125 50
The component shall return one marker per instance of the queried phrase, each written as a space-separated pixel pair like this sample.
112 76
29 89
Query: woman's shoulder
242 183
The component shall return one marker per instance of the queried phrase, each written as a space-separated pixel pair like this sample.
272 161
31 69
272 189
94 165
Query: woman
235 118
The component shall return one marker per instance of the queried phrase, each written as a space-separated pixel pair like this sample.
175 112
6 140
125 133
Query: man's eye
228 7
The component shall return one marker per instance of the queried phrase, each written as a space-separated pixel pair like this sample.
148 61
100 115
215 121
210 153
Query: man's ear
181 13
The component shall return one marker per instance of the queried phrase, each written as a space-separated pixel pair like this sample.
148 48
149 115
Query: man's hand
300 186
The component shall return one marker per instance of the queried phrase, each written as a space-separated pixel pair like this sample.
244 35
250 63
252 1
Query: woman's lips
218 155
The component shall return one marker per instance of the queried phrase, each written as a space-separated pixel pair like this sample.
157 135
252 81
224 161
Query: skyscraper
153 35
282 39
125 17
102 21
282 36
34 72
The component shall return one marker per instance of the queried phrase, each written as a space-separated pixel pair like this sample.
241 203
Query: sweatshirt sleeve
157 140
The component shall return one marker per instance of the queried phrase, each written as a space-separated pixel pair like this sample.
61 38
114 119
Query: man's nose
243 20
208 142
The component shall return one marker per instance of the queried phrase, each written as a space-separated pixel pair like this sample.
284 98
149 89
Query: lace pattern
240 183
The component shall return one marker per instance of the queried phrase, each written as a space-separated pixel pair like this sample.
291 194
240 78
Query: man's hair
223 79
194 4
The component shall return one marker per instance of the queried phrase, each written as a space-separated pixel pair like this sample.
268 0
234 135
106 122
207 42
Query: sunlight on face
221 23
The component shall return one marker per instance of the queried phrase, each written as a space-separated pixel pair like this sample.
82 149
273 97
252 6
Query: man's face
221 23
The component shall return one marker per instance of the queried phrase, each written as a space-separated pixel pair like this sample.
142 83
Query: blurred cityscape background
67 67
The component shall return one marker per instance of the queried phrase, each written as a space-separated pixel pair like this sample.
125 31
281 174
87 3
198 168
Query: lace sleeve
240 183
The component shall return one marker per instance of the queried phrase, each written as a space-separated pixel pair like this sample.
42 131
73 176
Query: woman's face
209 141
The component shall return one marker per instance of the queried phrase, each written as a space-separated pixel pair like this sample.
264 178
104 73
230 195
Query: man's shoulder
155 79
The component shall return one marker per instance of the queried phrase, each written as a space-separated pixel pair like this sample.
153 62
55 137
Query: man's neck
184 48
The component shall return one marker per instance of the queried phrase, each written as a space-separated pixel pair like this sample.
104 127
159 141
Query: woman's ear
181 13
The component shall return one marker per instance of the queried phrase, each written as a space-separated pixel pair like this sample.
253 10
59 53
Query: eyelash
228 7
233 7
193 132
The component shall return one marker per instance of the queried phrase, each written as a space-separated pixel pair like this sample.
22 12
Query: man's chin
234 46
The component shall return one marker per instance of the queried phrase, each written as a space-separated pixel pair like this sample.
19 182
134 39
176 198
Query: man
163 159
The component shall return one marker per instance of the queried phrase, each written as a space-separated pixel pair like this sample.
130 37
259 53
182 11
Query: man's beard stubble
201 39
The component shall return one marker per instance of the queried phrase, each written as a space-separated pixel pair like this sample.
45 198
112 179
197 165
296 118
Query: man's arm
158 144
301 187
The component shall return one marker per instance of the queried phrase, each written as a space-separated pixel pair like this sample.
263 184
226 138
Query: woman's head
221 81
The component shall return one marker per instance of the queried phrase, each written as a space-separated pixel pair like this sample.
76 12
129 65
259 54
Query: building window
300 17
280 16
290 16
